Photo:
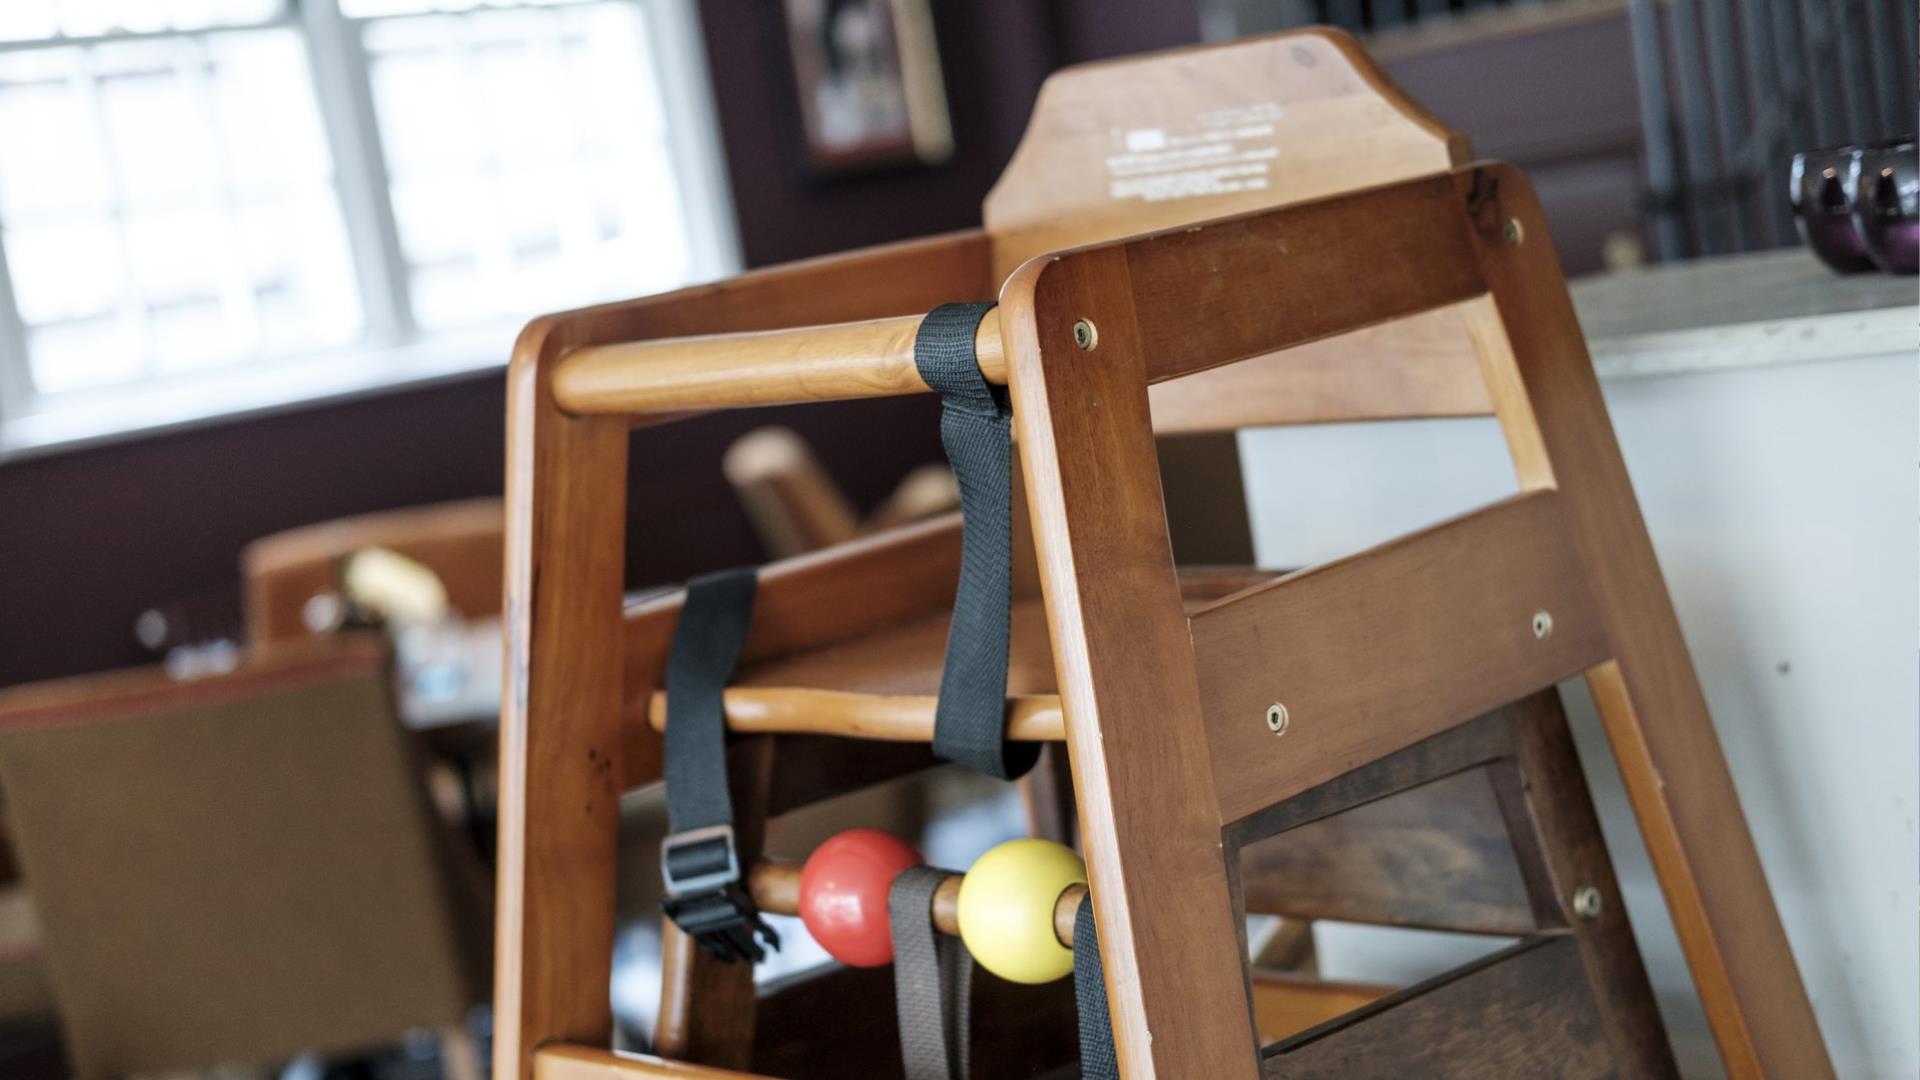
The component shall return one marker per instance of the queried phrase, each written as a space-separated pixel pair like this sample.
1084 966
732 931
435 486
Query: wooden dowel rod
754 710
768 367
775 885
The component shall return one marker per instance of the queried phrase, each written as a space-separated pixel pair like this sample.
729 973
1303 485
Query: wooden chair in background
286 573
1332 256
239 868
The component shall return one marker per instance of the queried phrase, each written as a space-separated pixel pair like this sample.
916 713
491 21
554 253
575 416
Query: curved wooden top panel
1129 146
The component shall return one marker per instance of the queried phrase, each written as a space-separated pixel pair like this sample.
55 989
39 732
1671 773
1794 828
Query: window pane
528 158
28 19
368 9
167 205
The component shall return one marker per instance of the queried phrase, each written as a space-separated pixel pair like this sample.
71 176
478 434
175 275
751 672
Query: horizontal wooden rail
775 885
561 1061
769 367
1205 296
780 710
1358 658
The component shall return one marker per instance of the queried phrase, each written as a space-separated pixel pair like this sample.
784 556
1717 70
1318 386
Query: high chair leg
560 760
1549 404
1148 822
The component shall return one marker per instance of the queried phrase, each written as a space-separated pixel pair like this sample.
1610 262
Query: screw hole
1085 335
1277 718
1542 625
1586 902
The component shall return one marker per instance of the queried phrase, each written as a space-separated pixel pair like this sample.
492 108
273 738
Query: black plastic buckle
706 899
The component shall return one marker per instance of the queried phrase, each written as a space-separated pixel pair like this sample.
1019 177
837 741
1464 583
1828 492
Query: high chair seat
884 683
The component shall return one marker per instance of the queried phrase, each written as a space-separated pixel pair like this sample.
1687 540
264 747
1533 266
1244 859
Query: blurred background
262 262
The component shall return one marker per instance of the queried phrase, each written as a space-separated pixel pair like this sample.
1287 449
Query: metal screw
1514 232
1542 625
1277 718
1085 335
1586 902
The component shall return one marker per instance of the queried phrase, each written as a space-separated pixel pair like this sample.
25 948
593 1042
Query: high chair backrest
1143 143
1134 145
238 868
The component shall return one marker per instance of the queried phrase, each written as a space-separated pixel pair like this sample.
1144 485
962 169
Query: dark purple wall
1559 101
994 54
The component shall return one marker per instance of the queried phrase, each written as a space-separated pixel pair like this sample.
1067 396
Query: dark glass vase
1886 188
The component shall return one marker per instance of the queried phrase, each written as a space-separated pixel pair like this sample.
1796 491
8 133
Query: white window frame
392 353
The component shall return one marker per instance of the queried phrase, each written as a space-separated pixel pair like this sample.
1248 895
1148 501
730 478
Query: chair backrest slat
238 868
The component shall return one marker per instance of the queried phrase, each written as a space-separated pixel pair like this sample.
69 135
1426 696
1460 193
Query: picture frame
867 81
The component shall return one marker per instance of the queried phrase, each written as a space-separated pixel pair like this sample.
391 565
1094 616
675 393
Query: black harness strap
932 981
976 427
706 896
1097 1058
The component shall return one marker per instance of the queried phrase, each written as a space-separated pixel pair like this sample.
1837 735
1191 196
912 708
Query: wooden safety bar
1407 242
873 358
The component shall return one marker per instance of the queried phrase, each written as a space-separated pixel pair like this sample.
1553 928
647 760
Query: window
208 204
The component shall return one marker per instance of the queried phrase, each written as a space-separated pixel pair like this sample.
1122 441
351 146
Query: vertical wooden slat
1551 820
1649 696
560 717
1176 979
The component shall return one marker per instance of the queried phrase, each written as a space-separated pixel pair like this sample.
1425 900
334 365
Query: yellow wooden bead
1006 909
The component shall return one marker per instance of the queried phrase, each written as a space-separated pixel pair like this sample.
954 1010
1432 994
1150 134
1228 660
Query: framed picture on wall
868 83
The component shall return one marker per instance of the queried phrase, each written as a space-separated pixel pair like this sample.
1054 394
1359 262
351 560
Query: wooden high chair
1263 232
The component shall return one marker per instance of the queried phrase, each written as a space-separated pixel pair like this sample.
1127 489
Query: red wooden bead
843 894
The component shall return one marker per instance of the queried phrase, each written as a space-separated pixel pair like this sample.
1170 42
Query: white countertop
1775 307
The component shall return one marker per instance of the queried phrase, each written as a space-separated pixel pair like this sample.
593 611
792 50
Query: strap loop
1098 1061
932 981
976 427
698 859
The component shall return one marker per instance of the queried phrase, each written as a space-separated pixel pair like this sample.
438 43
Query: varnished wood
1549 811
1530 833
1286 1002
461 542
866 675
1524 1011
565 1062
812 600
564 753
1416 636
893 718
1125 669
1404 248
1332 120
873 358
1650 701
1435 856
559 722
1421 366
1376 651
1203 294
794 505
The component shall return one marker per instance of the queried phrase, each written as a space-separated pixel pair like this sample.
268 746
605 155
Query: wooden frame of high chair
1369 655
